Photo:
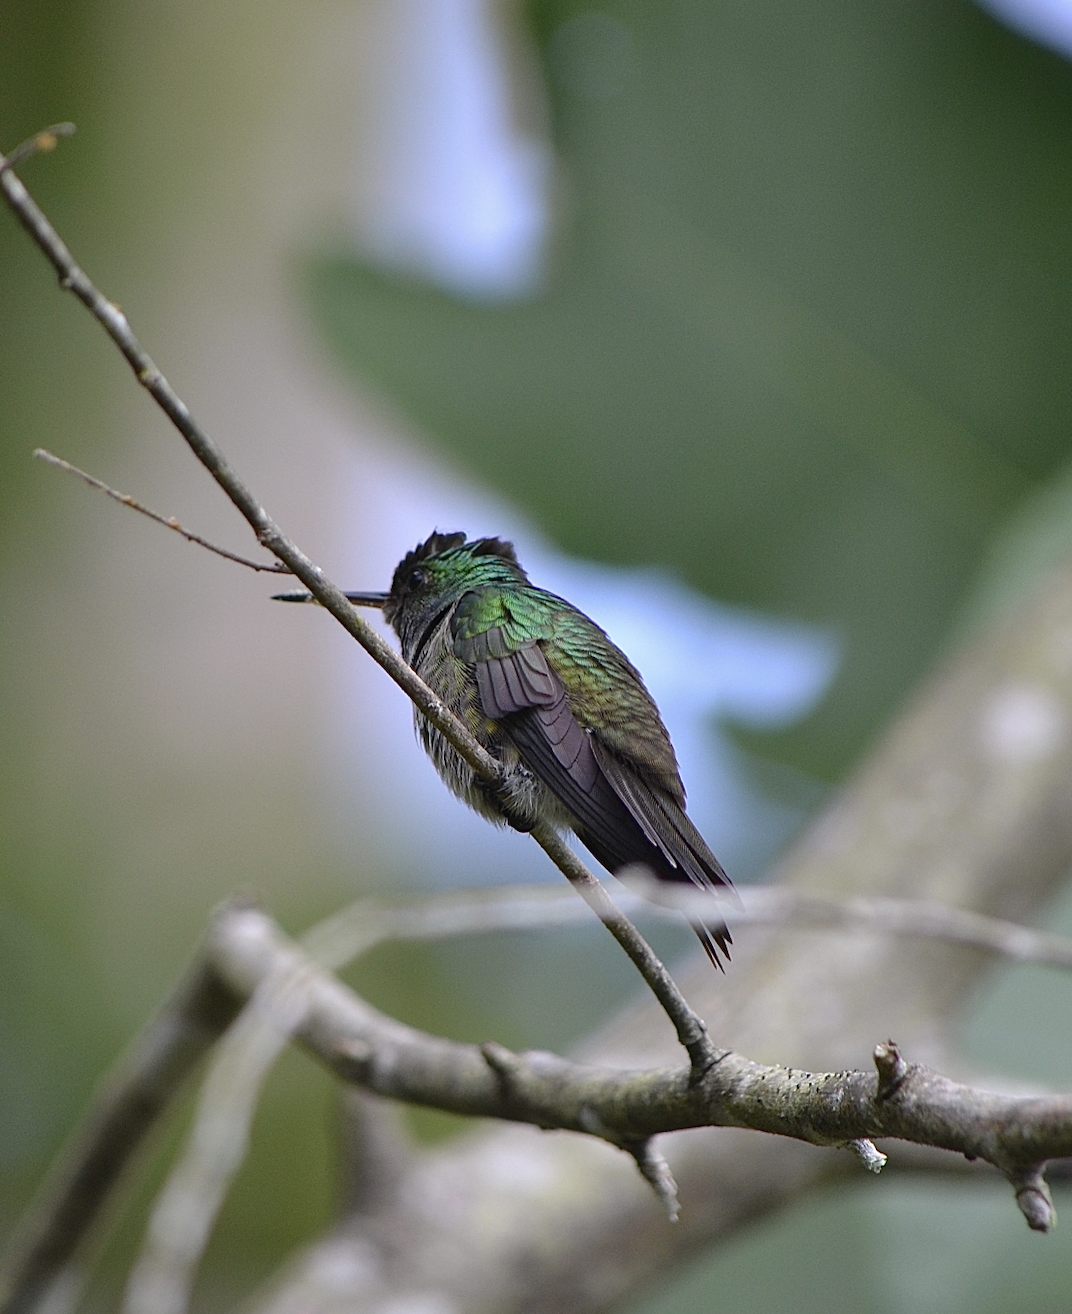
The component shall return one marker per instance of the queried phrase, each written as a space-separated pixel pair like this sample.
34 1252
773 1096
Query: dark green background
806 332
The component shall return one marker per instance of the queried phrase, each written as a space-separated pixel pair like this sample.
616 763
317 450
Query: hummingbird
552 698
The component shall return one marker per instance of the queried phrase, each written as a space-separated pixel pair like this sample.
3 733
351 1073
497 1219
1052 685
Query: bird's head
429 580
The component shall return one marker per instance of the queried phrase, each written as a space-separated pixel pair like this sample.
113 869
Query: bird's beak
358 599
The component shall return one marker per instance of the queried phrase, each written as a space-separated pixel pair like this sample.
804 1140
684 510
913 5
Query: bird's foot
503 797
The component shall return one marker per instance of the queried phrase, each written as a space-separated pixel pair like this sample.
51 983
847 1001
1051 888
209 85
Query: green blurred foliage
890 1247
98 912
806 330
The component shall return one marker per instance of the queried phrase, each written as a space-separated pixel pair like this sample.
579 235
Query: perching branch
691 1031
258 1030
246 958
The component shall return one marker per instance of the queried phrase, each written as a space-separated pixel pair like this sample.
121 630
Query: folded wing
619 815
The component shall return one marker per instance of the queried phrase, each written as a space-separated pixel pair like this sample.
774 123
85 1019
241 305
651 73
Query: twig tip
867 1152
1033 1198
656 1172
891 1068
41 143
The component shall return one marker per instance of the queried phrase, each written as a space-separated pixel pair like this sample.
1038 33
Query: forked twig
47 139
169 522
689 1027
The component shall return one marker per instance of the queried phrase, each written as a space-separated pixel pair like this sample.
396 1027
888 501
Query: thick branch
908 1102
248 962
185 1210
245 952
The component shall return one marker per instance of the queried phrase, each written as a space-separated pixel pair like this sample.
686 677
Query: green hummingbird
548 694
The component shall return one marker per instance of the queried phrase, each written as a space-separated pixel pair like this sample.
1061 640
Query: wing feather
621 816
527 698
536 676
666 826
518 694
494 690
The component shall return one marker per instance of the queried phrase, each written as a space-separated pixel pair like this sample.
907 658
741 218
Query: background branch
124 1111
247 960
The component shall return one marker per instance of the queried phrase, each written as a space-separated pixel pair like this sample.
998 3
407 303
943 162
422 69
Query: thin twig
169 522
47 139
351 931
689 1028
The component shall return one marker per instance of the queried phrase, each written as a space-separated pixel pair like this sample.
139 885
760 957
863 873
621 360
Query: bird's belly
530 801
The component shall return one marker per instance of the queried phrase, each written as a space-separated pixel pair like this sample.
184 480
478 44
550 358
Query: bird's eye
416 578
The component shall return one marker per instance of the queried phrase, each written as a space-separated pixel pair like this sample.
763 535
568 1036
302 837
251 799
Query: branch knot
506 1066
892 1070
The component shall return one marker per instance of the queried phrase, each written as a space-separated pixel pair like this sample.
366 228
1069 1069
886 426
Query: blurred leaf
806 334
1035 539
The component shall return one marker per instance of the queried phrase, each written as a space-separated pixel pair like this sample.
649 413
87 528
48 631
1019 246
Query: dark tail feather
635 848
716 940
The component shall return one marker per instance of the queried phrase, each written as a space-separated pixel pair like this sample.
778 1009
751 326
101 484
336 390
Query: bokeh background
751 322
